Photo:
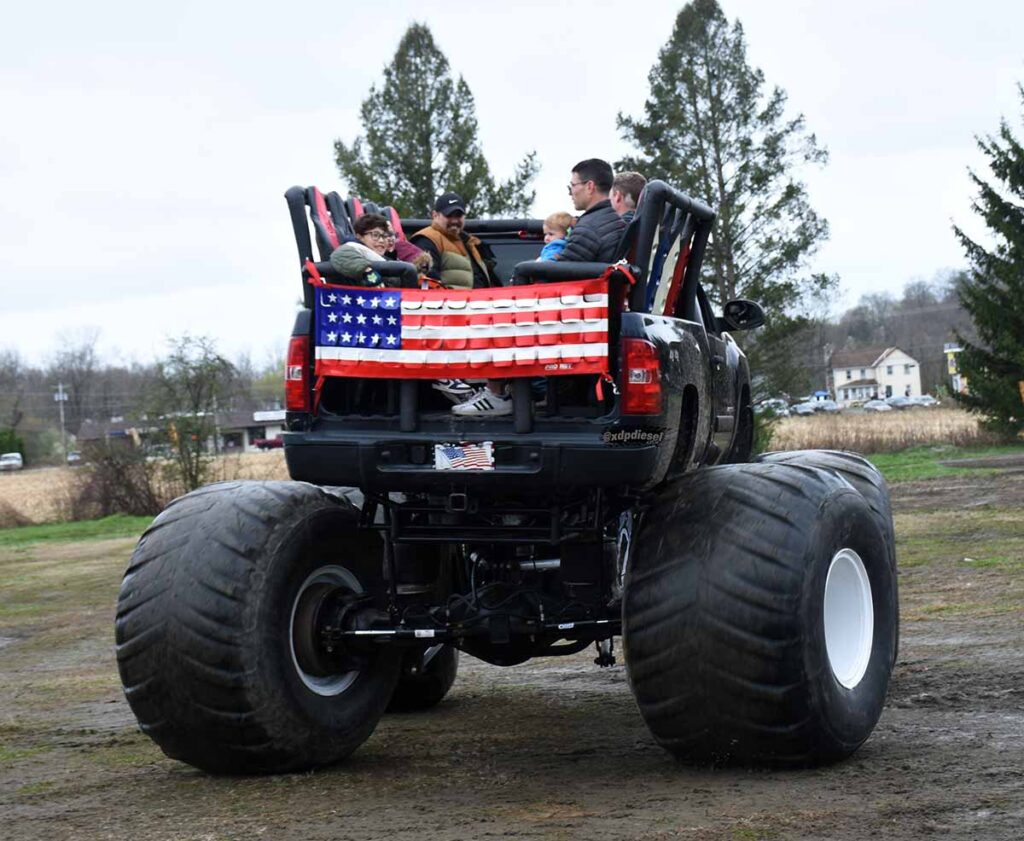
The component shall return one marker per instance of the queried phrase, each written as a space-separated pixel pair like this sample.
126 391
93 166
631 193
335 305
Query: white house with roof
865 374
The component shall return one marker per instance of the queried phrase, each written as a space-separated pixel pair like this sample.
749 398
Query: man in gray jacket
595 236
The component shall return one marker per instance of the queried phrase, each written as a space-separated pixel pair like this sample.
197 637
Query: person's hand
423 262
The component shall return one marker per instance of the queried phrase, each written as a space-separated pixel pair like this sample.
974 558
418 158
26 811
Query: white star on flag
332 337
332 297
374 302
346 317
361 318
391 340
332 316
346 300
377 319
360 300
346 337
392 320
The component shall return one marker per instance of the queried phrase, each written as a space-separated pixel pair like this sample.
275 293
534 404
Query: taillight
296 375
641 378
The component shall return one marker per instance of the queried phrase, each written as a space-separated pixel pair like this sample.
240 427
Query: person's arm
582 246
426 245
349 261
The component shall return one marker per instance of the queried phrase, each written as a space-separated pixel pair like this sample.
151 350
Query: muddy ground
551 749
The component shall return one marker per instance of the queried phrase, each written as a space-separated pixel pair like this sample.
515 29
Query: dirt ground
551 749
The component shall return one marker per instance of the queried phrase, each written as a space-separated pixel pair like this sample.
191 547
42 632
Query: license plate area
462 456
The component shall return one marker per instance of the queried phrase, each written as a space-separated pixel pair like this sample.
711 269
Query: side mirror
741 314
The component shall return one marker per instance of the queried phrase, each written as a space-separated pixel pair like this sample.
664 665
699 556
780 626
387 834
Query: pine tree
421 140
993 291
710 128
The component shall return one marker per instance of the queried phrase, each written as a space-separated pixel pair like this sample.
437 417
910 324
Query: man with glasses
595 237
459 260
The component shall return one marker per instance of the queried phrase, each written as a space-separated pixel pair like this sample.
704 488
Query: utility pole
61 397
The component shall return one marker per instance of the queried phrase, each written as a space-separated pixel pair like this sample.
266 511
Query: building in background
957 381
871 373
237 432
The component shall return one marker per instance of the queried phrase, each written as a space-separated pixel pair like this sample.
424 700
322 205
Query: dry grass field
883 432
43 495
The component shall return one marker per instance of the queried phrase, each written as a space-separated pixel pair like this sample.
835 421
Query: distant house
874 372
236 431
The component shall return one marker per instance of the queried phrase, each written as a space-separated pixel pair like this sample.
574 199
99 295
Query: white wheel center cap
849 618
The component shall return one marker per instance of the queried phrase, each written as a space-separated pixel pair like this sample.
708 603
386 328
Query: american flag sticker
464 456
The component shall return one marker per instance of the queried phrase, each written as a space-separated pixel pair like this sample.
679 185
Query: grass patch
32 789
923 462
990 537
117 525
14 754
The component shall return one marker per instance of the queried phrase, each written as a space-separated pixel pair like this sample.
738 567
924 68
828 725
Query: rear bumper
406 463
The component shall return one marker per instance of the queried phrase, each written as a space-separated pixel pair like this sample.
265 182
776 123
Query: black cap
449 203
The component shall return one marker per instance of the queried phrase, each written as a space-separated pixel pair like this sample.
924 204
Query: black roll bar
656 196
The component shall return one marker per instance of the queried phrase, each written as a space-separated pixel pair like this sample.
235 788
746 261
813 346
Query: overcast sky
145 151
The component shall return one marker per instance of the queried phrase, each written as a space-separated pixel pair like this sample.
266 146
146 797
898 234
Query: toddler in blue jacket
556 232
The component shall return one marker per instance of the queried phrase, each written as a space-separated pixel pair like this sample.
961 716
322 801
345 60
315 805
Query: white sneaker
454 390
484 404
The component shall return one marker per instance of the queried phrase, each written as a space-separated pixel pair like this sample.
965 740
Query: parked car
828 406
74 457
776 405
877 406
268 443
11 461
802 409
925 400
898 401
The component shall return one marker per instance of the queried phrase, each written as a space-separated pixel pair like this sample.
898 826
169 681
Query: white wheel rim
329 684
849 618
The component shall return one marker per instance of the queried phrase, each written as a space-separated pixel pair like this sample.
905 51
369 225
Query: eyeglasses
576 184
391 235
380 236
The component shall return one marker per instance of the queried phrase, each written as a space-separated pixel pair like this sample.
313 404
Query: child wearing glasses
355 260
375 241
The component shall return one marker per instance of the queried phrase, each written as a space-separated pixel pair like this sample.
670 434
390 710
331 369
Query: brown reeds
882 432
48 494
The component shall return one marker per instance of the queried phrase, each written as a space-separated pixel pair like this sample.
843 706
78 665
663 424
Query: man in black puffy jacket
596 235
594 239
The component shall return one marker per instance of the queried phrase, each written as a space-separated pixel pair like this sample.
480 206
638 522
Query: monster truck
267 626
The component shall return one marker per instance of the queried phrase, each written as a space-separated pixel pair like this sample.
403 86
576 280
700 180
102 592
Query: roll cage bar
664 243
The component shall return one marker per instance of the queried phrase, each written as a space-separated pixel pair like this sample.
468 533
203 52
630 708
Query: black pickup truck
266 626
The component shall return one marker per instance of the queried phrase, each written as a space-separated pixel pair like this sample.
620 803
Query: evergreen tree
993 291
711 128
421 140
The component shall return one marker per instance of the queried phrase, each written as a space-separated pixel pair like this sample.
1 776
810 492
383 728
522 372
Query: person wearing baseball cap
460 260
458 263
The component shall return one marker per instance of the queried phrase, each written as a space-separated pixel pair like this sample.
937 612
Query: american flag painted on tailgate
518 331
463 456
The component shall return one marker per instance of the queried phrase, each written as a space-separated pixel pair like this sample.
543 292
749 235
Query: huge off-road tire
215 640
856 470
426 678
759 616
863 476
